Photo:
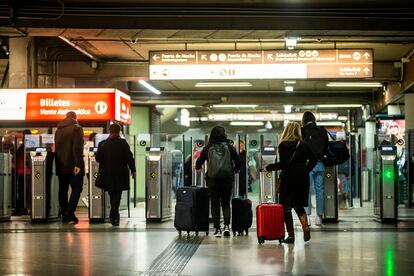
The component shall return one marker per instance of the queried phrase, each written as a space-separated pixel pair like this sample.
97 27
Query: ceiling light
149 87
198 119
354 84
288 108
175 106
289 88
330 123
246 123
342 118
291 41
77 47
289 82
338 105
268 125
223 84
235 105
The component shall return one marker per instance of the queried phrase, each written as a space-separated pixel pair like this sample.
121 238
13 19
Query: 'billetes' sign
262 64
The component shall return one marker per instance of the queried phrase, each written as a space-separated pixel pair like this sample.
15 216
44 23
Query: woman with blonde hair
296 161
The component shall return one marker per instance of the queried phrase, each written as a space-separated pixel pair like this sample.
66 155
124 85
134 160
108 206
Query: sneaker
217 234
318 220
309 220
226 231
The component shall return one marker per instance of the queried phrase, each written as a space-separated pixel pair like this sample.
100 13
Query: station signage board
219 117
262 64
53 104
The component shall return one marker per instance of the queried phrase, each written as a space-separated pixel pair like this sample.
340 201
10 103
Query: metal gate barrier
5 186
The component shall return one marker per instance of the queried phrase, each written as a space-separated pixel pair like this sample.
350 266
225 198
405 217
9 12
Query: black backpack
316 139
220 164
337 153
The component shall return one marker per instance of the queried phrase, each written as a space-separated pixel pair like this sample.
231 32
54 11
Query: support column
370 131
18 60
409 111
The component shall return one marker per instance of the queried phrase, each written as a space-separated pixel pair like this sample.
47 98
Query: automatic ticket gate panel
158 185
385 207
330 195
268 180
5 186
44 186
99 203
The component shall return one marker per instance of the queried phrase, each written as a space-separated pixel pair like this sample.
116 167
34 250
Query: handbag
336 153
278 180
98 179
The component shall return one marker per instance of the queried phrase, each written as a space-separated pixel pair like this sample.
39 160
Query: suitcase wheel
247 232
261 240
281 239
179 232
196 233
240 233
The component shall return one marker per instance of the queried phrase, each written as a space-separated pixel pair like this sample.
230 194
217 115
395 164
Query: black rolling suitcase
192 210
242 214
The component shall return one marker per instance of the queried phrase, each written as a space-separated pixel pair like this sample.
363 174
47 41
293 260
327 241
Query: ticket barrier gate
267 189
330 195
385 199
45 205
99 201
5 186
158 185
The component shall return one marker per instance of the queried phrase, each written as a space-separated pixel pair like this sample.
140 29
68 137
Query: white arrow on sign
366 55
155 57
203 57
270 56
366 71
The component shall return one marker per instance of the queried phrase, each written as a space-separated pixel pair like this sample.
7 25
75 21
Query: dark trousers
23 201
76 184
115 197
220 194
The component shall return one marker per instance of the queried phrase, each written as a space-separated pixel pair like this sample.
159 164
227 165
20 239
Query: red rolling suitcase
270 222
269 215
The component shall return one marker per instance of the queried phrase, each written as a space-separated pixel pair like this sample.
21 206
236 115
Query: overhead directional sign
263 64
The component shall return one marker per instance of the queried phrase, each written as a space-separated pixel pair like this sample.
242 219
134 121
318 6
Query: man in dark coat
70 166
115 161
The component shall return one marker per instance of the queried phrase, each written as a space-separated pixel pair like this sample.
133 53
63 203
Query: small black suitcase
185 209
192 210
241 216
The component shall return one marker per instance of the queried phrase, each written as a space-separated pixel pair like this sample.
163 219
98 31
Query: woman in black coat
296 161
115 160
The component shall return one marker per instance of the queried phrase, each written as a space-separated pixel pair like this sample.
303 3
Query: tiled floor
356 246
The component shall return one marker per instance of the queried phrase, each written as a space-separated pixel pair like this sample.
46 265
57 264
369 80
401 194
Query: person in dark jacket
70 166
115 161
219 189
317 139
296 161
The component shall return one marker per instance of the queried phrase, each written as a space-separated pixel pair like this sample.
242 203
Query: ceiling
126 31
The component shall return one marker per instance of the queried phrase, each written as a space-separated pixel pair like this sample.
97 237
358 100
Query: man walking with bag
317 139
70 166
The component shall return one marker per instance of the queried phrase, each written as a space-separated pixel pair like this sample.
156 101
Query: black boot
289 228
305 226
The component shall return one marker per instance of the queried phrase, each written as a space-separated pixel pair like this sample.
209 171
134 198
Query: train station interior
168 72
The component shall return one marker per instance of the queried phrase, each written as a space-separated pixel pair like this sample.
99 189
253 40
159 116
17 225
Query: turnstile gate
267 191
330 195
45 205
385 199
158 183
99 203
5 186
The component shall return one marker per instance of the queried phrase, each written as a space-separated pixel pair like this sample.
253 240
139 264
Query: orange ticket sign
54 106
